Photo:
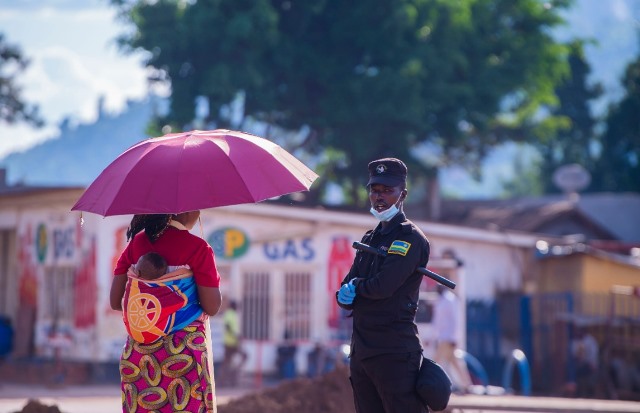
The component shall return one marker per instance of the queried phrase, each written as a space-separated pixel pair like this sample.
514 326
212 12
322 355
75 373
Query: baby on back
158 298
151 266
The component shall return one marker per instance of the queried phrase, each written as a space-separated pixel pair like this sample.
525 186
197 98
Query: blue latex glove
347 293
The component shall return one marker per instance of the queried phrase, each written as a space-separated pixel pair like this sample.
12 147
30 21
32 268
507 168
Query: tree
525 181
618 166
13 108
368 79
574 139
207 48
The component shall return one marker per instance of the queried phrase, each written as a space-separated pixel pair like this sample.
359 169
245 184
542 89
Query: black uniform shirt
387 289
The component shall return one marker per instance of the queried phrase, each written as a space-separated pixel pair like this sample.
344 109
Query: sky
74 61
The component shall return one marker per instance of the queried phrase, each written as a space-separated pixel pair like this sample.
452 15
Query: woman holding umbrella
165 369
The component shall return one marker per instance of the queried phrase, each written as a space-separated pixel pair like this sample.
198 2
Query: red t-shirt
178 247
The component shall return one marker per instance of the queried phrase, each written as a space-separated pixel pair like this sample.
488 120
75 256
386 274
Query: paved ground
80 399
106 399
528 404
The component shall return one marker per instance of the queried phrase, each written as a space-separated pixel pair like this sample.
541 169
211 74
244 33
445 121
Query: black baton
436 277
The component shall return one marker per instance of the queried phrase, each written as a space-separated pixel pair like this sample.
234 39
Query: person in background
317 360
60 341
585 351
382 294
446 316
230 370
169 236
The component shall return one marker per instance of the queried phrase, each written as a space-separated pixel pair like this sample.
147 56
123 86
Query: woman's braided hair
153 225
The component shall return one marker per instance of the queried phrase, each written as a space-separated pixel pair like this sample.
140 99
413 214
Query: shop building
282 263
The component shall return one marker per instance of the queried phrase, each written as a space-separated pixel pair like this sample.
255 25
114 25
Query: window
256 305
297 305
276 305
8 274
58 299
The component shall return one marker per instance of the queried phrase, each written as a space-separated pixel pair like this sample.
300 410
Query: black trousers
386 383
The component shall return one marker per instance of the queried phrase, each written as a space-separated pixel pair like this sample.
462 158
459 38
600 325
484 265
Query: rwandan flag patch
399 247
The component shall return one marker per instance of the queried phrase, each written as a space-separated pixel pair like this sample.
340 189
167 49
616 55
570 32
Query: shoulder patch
399 247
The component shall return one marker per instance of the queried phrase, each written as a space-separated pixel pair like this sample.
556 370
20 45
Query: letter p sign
228 242
234 240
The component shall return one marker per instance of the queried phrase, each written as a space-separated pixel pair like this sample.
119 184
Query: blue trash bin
6 337
286 361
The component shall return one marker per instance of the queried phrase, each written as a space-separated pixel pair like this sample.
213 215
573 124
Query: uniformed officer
382 293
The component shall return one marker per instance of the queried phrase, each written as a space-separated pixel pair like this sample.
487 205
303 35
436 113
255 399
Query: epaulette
407 228
367 236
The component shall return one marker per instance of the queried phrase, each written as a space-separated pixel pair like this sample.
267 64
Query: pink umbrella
194 170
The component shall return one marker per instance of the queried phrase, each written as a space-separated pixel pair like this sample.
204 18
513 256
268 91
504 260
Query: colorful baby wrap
155 308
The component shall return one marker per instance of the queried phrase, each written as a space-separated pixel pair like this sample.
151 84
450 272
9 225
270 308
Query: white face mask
385 215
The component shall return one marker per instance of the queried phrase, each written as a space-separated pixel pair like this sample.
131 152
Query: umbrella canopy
194 170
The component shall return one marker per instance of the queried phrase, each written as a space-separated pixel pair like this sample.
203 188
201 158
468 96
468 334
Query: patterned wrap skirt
173 374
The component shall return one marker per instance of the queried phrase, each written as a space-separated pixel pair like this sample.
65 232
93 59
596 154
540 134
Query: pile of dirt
34 406
329 393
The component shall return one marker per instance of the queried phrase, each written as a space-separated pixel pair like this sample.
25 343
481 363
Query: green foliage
206 48
618 167
569 137
369 79
526 181
13 108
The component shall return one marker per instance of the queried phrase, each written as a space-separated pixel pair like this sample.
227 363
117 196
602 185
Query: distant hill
79 154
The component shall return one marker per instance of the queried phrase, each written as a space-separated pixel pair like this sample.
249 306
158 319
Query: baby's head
151 266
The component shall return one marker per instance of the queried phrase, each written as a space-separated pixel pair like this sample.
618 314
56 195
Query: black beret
387 171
